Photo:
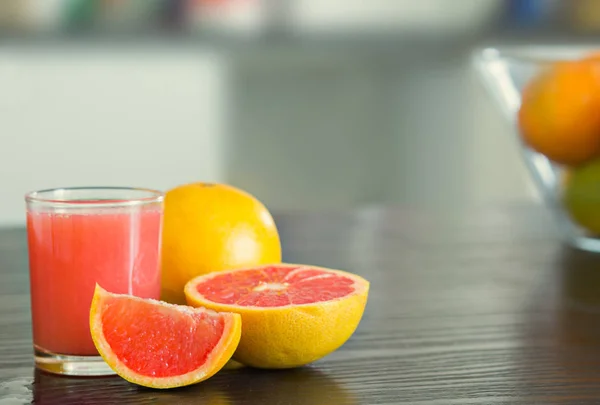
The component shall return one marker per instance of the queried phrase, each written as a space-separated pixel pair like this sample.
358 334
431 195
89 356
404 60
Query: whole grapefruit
213 227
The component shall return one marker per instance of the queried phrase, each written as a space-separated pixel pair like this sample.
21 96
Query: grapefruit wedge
292 314
160 345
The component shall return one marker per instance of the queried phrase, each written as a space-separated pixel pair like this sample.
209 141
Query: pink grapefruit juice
69 253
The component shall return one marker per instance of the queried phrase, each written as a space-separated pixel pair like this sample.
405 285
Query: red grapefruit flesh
292 314
276 287
159 345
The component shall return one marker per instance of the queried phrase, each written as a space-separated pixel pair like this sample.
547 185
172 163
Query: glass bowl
508 70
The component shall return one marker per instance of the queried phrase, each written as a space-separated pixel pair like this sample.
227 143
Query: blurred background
308 104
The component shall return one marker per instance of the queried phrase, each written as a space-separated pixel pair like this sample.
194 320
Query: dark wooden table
479 307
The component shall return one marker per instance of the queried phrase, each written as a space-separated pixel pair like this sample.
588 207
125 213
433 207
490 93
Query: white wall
308 134
77 117
453 146
319 131
327 131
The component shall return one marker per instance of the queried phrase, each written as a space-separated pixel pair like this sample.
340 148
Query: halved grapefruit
292 314
160 345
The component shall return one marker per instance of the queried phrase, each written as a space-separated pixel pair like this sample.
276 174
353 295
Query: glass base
82 366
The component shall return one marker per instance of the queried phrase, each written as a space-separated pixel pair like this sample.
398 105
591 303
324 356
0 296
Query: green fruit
582 196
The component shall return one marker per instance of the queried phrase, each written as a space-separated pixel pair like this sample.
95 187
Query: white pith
271 287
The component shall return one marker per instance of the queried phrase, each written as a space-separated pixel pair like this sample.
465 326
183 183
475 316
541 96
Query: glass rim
153 196
541 53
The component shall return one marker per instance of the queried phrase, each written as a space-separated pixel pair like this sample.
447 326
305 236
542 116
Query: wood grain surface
484 307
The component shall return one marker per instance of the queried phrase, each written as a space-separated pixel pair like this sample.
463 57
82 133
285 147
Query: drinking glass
77 238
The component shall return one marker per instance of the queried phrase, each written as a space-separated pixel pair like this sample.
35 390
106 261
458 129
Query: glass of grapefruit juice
77 238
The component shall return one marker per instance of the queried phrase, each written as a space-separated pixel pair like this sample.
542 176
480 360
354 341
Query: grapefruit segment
292 314
160 345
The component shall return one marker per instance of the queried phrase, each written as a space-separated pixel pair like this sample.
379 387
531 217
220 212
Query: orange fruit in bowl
213 227
159 345
291 314
560 112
